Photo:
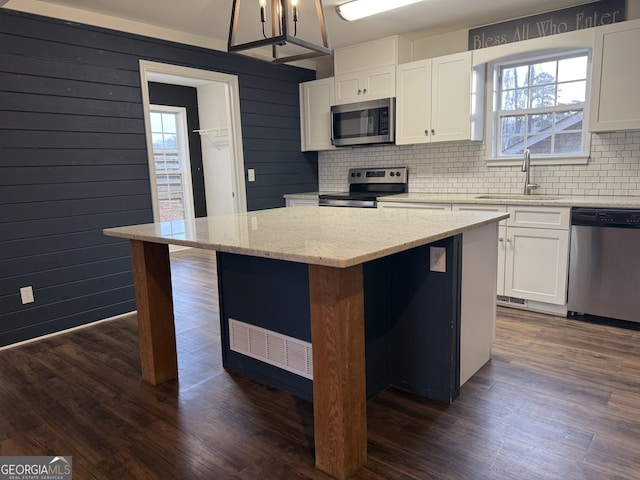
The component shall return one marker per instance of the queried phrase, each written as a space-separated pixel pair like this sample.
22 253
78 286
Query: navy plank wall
73 161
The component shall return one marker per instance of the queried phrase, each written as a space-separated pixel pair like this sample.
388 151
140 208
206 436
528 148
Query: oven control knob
392 174
397 174
359 174
353 174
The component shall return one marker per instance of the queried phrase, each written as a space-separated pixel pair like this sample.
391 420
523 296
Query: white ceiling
210 18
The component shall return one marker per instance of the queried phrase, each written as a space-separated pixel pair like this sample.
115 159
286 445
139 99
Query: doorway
172 165
220 133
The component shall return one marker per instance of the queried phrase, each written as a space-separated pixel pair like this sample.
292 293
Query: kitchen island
379 295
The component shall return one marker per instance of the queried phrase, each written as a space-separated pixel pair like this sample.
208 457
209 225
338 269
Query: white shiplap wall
461 167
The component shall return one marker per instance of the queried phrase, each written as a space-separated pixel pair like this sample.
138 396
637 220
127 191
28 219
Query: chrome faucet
526 167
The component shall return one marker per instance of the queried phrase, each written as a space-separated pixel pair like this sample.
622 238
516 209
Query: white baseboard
49 335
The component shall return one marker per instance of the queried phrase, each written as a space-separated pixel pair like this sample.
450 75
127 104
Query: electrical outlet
438 259
251 174
26 294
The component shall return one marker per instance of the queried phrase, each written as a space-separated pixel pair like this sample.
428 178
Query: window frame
493 93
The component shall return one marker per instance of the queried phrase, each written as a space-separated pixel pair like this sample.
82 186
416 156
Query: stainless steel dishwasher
604 265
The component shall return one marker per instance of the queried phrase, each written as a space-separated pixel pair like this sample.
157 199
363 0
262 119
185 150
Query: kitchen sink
507 196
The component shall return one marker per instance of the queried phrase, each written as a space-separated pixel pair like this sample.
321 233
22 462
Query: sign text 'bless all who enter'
589 15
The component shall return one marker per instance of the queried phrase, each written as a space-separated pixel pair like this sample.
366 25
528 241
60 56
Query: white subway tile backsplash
461 167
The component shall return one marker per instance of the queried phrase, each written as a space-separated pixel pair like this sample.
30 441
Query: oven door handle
347 203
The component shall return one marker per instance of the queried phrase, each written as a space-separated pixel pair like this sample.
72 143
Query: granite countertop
549 200
613 201
330 236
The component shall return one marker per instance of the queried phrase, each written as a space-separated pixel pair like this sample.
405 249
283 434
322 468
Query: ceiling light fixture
281 13
357 9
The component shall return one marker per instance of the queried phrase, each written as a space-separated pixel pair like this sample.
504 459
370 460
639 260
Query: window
539 105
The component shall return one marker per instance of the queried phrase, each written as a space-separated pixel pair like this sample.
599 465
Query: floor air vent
279 350
512 300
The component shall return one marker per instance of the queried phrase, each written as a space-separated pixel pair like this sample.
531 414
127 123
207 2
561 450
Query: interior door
172 167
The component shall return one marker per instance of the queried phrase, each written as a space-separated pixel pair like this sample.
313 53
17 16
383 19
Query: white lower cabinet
533 251
535 264
293 201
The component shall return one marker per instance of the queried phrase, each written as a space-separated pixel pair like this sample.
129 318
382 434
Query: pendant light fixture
357 9
283 15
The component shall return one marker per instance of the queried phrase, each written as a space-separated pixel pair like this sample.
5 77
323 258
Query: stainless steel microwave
363 123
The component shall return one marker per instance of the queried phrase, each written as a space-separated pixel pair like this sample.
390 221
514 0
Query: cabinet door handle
433 131
364 91
359 91
426 132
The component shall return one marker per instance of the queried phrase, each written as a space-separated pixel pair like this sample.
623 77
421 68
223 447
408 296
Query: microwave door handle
332 134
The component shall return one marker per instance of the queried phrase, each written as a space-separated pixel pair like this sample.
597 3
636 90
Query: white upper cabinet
377 53
316 98
413 102
364 85
367 71
439 100
615 103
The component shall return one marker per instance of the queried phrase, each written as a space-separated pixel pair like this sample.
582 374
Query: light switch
251 175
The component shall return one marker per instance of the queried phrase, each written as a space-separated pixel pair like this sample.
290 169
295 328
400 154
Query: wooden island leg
156 329
339 384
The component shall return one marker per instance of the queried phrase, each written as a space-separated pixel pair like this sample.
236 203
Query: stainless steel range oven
366 185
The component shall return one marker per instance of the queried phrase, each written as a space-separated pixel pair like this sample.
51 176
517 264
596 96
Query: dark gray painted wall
73 161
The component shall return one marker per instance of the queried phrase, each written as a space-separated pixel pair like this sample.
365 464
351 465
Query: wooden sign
589 15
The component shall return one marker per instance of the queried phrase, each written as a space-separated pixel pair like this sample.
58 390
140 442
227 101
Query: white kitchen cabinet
480 207
316 98
368 55
502 235
533 251
302 201
419 205
439 100
535 248
413 102
615 103
536 262
370 84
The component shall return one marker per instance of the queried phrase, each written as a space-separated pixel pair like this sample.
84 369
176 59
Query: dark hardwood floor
559 400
